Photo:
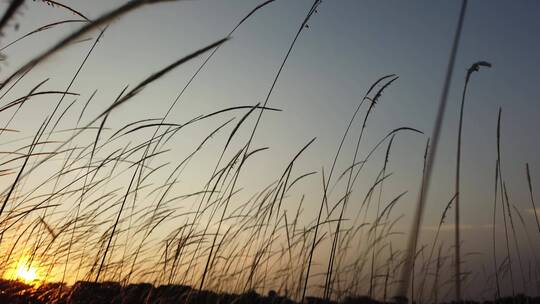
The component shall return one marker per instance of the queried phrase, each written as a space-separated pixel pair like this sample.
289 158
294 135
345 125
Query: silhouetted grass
93 201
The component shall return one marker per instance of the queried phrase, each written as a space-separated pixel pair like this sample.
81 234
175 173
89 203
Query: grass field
95 207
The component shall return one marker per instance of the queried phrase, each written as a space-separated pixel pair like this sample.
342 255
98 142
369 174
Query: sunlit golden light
27 274
26 271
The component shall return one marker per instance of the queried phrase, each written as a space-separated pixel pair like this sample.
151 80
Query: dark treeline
84 292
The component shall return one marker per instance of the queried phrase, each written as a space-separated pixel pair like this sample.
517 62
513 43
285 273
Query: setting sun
26 271
27 274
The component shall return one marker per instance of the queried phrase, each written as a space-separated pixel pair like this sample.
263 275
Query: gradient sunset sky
349 44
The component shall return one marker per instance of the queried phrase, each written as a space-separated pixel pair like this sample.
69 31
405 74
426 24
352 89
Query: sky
349 44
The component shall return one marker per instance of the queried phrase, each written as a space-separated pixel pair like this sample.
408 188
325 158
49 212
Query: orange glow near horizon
25 271
27 274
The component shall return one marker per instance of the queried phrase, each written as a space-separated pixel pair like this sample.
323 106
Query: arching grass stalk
495 267
513 227
67 8
532 197
475 67
10 12
501 190
415 229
